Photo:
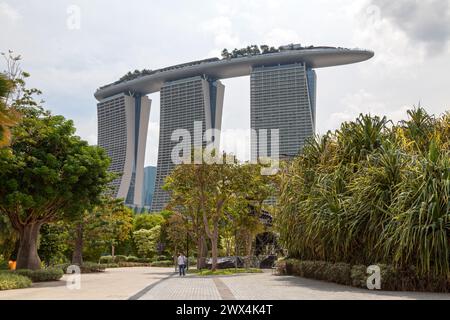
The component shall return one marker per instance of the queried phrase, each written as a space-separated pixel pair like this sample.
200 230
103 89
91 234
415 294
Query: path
164 284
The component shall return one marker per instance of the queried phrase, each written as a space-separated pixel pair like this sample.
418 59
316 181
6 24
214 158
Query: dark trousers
182 268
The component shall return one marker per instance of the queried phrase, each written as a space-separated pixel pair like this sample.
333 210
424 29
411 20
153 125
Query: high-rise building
184 103
149 186
283 97
122 132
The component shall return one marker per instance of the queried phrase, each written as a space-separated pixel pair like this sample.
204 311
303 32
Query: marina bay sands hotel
283 96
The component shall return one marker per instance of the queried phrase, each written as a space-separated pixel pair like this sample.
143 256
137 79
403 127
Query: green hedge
392 279
132 259
10 280
43 275
163 264
133 264
106 259
119 258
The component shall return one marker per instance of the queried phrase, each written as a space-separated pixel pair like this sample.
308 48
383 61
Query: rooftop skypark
249 51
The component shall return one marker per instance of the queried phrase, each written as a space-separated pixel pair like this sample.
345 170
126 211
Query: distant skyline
411 41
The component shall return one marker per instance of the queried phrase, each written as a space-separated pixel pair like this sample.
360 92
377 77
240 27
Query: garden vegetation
372 192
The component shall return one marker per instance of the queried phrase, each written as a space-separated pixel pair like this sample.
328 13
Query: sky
73 47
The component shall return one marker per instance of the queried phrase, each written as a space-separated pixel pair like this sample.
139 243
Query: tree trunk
202 253
214 253
77 257
27 256
113 252
249 250
214 246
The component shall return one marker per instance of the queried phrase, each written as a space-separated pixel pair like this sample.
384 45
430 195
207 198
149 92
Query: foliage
147 221
53 244
105 226
9 281
163 263
249 51
132 259
392 279
146 241
70 174
43 275
8 238
372 191
214 199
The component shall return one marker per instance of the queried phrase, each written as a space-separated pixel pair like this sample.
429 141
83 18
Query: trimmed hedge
10 280
106 259
392 279
163 264
133 264
119 259
320 270
132 259
44 275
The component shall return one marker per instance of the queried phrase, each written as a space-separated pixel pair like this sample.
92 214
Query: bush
392 279
106 259
359 276
160 258
120 258
87 267
163 264
50 274
92 267
109 265
132 259
10 280
133 264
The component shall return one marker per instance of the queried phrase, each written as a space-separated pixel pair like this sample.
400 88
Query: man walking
182 261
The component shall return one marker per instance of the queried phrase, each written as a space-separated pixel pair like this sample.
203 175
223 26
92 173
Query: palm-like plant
372 193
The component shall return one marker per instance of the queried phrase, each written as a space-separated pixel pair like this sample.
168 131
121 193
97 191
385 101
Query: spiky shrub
372 192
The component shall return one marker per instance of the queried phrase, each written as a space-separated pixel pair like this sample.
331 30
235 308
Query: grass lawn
223 272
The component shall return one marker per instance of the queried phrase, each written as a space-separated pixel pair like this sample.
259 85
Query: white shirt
181 260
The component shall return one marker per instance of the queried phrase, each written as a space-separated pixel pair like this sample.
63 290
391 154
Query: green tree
206 194
48 174
146 241
107 224
147 221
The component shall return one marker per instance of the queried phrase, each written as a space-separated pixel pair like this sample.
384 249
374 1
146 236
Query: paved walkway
163 284
114 284
265 286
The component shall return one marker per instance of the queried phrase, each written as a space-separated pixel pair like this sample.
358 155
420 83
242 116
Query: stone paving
266 286
164 284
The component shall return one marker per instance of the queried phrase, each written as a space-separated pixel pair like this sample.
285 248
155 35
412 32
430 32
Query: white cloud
366 103
8 12
221 28
278 37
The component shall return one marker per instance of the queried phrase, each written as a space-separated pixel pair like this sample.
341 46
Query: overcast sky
68 60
